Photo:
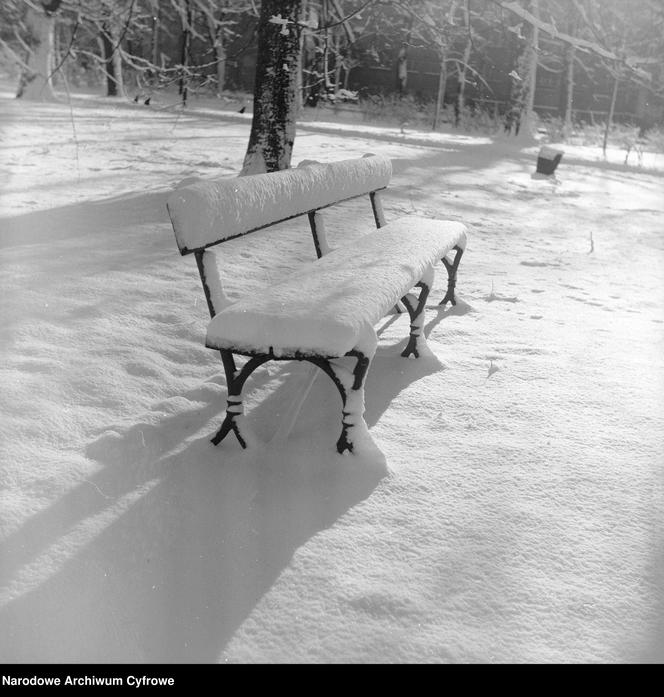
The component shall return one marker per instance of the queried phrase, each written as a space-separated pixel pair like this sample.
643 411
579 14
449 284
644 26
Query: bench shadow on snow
82 219
175 541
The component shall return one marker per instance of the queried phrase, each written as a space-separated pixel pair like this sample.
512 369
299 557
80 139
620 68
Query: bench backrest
209 212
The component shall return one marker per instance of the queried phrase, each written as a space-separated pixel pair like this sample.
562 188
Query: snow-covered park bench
326 311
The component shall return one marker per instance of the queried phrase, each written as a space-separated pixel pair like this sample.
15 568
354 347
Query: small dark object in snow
242 110
136 99
147 101
548 159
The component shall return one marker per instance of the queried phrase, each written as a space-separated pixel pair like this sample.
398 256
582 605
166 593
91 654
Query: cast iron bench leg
235 382
416 317
356 397
451 276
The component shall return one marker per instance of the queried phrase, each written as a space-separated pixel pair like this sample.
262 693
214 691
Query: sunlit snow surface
512 508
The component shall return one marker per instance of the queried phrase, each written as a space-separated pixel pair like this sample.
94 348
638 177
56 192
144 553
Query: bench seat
329 307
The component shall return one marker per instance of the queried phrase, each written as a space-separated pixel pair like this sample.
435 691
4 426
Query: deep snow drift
512 509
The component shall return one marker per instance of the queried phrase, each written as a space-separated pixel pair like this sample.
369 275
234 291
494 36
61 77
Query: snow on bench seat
330 306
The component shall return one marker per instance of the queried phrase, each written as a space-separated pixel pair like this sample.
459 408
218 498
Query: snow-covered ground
513 509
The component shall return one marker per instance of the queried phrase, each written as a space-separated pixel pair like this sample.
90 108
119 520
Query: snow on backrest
208 212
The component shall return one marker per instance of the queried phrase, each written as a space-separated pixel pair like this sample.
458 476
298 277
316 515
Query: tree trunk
569 103
112 60
326 49
519 116
216 34
36 82
612 108
440 96
300 87
347 70
566 94
308 92
275 89
338 63
56 53
402 69
461 95
646 113
185 42
517 94
220 59
156 16
533 49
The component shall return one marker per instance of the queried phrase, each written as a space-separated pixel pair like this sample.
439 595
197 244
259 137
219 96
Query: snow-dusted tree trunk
275 89
36 82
